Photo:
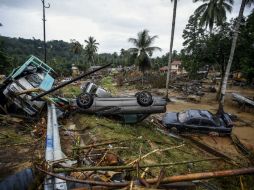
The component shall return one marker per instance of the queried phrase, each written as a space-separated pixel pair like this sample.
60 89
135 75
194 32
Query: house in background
176 68
75 71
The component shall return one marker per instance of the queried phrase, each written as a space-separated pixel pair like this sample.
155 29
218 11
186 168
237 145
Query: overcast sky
111 22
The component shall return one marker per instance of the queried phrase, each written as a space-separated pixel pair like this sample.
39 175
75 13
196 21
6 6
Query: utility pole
44 29
171 48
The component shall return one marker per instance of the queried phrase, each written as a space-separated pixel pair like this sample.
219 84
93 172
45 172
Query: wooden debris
154 151
129 167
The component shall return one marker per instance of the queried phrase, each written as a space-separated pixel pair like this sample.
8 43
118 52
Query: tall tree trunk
223 65
143 79
230 60
220 86
93 60
171 47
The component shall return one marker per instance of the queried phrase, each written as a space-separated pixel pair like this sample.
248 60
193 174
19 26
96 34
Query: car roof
200 114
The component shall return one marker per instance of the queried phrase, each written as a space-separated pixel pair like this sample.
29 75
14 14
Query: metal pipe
57 151
69 82
53 150
44 29
48 185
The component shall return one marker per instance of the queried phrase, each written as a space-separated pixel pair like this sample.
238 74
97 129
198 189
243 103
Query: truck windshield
34 80
183 116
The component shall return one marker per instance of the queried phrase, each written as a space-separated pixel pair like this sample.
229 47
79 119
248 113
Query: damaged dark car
198 121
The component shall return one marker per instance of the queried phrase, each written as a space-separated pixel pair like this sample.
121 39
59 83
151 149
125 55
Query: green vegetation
108 84
202 48
60 55
143 136
142 50
70 91
213 12
91 49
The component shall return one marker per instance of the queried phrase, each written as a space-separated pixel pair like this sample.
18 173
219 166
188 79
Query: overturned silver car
130 109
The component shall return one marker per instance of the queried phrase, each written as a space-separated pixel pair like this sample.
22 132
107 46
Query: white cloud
111 22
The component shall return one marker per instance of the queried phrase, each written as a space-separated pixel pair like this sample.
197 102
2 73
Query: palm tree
171 46
143 49
213 12
231 56
90 49
76 49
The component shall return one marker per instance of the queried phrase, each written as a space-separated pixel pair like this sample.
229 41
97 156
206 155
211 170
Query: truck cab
22 84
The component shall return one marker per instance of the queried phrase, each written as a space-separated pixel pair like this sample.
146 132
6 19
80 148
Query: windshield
183 116
217 121
34 80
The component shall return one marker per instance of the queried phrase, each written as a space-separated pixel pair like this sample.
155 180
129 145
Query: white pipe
53 149
57 151
48 182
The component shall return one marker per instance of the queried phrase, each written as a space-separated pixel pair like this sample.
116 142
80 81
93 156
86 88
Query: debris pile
189 88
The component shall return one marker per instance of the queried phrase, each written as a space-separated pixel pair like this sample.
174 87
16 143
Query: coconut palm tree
232 51
143 49
213 12
76 49
171 46
91 49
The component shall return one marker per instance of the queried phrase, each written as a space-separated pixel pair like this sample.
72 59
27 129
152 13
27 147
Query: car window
183 116
93 89
217 121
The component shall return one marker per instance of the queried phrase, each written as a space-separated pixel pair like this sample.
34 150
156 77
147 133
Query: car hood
170 117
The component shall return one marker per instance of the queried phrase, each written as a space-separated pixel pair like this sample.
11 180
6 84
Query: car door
207 126
192 124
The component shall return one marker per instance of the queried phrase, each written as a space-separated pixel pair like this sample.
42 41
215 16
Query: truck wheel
85 100
144 98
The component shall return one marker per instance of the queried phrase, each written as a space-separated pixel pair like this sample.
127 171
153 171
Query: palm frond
153 49
133 50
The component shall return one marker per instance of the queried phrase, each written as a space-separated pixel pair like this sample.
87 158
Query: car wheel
144 98
85 100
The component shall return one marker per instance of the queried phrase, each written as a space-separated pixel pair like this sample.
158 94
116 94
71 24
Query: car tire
85 100
144 98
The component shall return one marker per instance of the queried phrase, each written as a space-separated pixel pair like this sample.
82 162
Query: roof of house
165 68
176 63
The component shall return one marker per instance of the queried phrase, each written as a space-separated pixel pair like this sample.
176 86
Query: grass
70 91
108 84
145 137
